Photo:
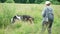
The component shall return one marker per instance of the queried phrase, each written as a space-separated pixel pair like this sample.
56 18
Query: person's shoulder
49 7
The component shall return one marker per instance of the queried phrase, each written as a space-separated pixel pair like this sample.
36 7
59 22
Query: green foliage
58 0
9 1
2 1
17 1
31 1
20 1
38 1
23 1
55 2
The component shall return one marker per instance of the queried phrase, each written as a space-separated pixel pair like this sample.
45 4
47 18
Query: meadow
8 10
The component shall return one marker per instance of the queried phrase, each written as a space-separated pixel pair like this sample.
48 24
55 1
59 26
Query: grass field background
7 11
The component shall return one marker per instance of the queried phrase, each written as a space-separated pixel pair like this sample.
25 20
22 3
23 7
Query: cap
47 2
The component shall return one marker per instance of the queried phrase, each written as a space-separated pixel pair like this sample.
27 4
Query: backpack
50 15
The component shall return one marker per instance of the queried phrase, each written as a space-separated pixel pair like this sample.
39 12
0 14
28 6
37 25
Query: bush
55 2
31 1
2 1
20 1
9 1
39 1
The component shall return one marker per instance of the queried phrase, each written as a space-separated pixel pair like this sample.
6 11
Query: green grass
7 11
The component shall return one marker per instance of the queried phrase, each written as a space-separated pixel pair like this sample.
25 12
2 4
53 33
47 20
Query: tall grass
8 10
6 13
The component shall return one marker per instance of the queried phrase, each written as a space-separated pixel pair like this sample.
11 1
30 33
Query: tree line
29 1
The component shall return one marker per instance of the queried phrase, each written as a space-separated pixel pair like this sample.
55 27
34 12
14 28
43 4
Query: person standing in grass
48 17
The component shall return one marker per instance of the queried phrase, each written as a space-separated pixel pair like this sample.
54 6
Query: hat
47 2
